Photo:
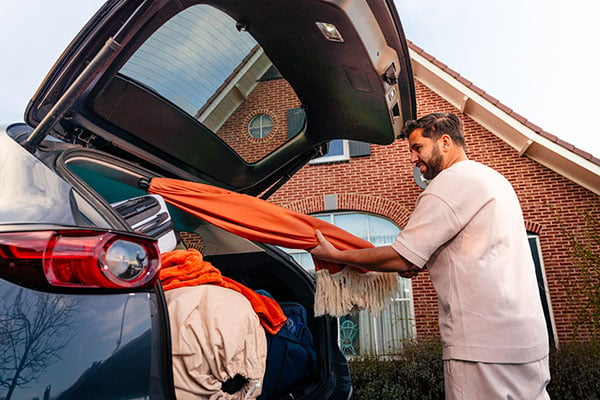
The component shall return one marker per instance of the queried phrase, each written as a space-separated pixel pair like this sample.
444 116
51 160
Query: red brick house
371 189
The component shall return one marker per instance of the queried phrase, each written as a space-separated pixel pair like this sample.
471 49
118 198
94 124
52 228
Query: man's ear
446 142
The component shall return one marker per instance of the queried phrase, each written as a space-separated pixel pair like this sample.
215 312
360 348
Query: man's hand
409 274
324 250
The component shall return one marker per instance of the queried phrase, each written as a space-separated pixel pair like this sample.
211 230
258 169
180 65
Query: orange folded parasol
340 289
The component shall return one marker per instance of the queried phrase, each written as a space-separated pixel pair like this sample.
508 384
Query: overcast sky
538 57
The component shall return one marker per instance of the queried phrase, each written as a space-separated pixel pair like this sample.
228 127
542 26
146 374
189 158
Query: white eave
487 112
234 91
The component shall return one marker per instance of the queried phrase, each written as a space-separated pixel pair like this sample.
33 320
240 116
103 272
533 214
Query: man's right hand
324 250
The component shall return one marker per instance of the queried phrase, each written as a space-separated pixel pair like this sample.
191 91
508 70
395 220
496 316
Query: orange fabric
339 290
254 218
188 268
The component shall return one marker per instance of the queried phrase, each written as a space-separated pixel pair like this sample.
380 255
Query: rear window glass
209 67
187 59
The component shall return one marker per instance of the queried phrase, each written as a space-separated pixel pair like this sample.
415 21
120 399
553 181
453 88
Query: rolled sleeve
430 226
407 253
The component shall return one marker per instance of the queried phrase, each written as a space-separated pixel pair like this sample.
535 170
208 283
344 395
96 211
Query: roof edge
523 136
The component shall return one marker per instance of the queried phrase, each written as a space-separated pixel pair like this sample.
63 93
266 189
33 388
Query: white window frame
345 156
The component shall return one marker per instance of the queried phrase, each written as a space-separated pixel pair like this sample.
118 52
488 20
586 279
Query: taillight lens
81 258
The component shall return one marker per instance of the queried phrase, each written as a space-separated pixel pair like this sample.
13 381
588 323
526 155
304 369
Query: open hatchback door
166 82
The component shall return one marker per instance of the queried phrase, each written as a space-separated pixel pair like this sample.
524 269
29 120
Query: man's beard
434 165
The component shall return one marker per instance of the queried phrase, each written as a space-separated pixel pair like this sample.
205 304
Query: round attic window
260 126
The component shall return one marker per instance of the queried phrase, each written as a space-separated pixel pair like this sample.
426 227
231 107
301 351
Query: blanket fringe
349 291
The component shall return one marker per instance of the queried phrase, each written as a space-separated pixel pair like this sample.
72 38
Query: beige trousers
466 380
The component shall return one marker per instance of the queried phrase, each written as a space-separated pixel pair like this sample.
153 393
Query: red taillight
82 258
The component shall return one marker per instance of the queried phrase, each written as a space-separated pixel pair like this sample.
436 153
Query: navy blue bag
291 355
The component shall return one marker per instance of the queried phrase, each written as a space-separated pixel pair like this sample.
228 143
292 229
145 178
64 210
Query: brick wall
382 183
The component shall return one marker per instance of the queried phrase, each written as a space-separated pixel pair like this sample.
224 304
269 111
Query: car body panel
100 179
31 191
73 346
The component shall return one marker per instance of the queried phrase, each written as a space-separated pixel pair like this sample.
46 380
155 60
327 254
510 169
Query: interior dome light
330 32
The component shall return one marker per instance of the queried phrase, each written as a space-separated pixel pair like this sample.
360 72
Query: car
154 88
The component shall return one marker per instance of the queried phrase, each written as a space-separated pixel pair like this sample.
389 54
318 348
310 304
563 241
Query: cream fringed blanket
340 289
351 290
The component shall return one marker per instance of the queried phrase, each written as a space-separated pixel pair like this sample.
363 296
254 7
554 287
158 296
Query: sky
537 57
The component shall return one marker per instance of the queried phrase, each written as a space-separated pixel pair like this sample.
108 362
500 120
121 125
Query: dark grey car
157 88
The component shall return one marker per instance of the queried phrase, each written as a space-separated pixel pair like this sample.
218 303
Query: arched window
365 333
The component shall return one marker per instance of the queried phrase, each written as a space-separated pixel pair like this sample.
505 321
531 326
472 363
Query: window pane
304 259
336 148
201 63
354 223
189 57
338 151
349 343
325 217
366 333
382 232
404 292
260 126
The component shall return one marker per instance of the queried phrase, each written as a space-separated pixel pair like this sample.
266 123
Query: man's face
425 154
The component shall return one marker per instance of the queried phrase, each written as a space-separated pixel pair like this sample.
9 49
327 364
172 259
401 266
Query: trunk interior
254 265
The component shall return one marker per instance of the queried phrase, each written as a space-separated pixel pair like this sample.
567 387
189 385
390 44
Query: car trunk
255 265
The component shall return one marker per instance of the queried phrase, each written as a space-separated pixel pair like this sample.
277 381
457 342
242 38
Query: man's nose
413 157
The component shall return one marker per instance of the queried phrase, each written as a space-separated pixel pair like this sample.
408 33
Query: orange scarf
340 289
187 268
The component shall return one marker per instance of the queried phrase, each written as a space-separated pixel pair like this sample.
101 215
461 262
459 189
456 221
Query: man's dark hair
435 125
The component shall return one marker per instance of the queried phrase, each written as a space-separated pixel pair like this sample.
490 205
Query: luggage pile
229 341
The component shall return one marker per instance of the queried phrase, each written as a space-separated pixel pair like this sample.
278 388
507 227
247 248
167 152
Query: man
467 229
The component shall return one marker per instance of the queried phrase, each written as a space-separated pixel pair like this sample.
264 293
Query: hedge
417 373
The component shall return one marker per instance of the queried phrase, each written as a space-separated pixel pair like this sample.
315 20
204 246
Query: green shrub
417 373
575 371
